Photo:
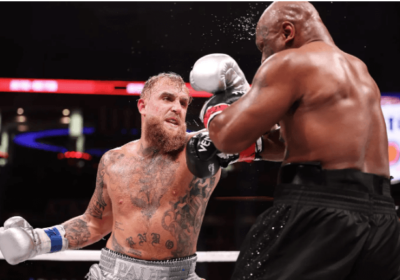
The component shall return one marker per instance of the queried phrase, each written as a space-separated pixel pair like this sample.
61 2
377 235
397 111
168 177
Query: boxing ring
390 107
94 256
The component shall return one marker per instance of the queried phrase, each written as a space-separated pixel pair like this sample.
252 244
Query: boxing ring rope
94 256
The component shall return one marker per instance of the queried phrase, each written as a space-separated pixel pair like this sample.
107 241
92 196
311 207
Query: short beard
163 140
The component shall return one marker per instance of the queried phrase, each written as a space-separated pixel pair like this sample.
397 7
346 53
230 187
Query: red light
394 153
73 154
60 156
80 87
35 85
3 155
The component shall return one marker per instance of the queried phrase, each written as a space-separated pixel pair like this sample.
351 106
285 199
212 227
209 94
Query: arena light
3 154
20 119
65 112
80 87
74 154
65 120
391 111
31 139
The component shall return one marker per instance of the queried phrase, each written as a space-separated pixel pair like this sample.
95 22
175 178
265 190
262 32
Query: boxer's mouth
173 121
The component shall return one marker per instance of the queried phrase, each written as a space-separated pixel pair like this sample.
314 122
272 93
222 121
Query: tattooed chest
145 181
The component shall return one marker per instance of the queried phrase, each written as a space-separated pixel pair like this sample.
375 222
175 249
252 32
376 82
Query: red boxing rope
79 87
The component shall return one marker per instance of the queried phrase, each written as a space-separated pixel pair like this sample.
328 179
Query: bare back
338 119
157 204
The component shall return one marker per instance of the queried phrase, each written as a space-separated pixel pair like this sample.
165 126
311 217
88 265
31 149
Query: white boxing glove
20 242
218 74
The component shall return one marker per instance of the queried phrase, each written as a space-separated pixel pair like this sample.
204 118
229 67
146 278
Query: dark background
132 41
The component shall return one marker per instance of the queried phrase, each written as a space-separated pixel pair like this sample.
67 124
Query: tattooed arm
97 220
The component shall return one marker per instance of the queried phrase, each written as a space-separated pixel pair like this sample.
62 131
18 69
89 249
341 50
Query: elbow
99 228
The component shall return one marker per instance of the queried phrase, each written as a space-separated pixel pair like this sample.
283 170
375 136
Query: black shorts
324 225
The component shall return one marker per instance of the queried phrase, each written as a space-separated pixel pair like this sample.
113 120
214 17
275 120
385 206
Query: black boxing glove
204 159
201 156
218 74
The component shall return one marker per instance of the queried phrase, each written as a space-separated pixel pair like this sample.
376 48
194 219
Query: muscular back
157 204
338 119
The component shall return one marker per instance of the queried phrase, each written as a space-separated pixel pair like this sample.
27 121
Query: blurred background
69 78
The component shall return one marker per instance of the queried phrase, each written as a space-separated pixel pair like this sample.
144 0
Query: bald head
295 12
286 25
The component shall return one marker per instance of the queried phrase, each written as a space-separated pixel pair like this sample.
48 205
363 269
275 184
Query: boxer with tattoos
145 196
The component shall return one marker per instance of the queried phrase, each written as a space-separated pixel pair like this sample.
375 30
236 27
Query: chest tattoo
146 179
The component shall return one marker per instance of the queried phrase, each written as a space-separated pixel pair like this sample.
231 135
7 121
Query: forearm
83 231
273 146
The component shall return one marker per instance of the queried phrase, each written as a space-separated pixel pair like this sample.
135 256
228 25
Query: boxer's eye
184 104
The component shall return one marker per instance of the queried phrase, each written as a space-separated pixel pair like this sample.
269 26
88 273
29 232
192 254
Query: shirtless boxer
145 195
333 215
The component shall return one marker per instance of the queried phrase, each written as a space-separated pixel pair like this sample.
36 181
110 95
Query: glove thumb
17 222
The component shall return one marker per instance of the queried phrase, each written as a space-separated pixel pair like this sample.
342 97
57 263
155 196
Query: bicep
99 207
264 105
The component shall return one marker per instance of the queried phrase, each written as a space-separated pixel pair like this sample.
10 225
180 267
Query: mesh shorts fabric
344 227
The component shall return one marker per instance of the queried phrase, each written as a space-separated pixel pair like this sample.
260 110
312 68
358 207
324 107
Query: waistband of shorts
122 265
348 189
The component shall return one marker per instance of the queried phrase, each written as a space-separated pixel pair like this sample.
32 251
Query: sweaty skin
149 200
326 102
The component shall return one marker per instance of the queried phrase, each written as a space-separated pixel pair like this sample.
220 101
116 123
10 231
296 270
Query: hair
173 77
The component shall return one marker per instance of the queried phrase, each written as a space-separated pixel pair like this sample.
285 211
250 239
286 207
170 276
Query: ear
288 31
142 106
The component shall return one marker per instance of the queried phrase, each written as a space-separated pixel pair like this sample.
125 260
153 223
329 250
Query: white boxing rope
94 256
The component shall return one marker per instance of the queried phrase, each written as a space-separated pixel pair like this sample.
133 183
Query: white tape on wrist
52 239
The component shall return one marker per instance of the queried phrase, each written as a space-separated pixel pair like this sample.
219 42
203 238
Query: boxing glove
252 153
20 242
218 74
203 158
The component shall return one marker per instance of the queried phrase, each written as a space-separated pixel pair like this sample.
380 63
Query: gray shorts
116 266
